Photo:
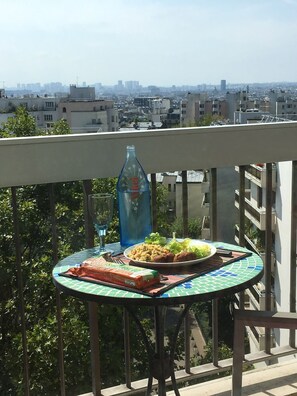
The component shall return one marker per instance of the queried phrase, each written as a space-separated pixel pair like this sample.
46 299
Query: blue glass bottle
133 192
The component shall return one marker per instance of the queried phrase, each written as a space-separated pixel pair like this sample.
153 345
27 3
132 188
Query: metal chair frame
267 319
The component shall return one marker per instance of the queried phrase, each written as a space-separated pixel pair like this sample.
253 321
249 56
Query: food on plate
185 256
156 239
147 252
164 258
155 250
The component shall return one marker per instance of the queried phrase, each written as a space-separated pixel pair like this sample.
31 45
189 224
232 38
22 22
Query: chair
244 318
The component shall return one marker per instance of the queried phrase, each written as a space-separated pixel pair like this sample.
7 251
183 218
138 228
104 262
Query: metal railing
59 159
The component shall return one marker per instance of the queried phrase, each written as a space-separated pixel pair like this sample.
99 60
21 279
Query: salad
180 250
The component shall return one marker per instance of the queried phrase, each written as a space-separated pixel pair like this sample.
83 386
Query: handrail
40 159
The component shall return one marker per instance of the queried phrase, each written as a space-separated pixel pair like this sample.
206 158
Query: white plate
150 264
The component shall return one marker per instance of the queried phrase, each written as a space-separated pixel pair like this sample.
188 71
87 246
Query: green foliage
23 124
224 352
194 228
59 127
206 120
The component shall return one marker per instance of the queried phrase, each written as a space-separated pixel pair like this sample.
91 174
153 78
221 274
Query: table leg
161 364
93 320
161 359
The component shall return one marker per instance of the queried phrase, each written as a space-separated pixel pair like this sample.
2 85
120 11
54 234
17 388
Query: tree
60 127
23 124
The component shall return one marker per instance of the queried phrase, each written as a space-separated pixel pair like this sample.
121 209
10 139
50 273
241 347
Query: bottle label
134 187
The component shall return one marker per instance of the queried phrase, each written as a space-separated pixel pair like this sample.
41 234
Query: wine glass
101 211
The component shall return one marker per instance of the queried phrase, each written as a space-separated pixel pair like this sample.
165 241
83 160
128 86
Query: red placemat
174 275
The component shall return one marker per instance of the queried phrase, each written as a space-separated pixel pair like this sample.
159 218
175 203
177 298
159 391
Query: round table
230 279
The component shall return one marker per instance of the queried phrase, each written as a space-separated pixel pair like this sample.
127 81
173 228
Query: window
112 118
64 109
48 117
49 104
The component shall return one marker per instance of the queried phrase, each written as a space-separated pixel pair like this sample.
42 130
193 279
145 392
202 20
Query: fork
118 260
108 257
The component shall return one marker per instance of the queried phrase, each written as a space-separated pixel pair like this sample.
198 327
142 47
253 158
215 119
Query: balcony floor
276 380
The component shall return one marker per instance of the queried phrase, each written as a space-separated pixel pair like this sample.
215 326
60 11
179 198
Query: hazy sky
156 42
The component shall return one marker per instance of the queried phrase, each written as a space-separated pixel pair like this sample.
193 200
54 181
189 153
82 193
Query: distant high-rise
223 85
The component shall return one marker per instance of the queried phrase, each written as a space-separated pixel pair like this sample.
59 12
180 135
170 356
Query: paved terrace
275 380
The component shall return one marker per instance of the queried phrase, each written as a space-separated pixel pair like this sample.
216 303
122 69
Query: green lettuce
155 238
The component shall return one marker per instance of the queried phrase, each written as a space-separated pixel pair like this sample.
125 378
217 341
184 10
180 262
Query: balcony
257 173
255 214
50 161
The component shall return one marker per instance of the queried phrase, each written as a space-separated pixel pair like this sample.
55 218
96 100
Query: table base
161 363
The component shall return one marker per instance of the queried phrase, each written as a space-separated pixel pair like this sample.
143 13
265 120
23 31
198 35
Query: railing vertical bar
127 347
268 249
187 332
185 204
58 294
241 205
89 228
20 291
185 213
241 201
292 339
93 307
94 341
154 200
214 231
213 205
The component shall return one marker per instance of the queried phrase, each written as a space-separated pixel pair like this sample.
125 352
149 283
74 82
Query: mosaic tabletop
229 279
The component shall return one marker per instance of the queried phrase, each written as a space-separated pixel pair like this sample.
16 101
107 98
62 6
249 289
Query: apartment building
286 107
198 190
233 106
85 114
82 111
197 106
43 109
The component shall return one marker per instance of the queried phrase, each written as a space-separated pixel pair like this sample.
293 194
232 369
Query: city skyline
161 43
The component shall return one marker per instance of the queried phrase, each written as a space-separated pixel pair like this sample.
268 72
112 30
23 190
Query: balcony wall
53 159
37 160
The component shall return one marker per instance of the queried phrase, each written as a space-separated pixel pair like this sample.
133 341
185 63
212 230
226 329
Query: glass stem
102 242
101 230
